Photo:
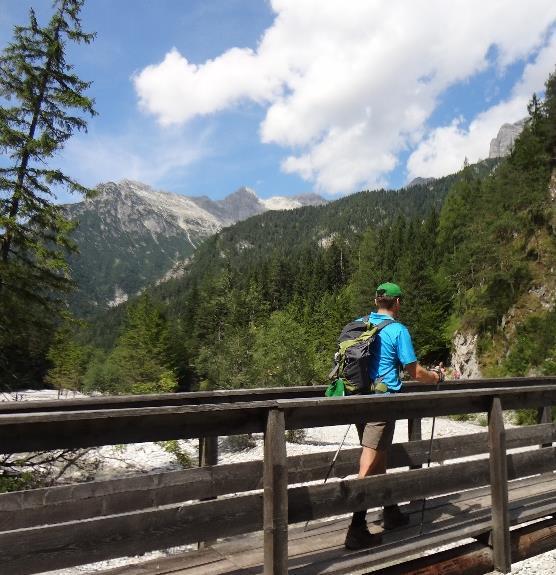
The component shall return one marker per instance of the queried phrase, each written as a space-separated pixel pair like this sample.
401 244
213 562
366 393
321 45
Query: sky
201 97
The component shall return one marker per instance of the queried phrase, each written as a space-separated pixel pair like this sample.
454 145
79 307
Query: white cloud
445 148
141 156
348 87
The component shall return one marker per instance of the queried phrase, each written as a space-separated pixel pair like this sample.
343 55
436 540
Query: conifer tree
43 104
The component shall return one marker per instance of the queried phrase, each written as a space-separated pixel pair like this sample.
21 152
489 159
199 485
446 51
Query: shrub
173 447
239 442
296 435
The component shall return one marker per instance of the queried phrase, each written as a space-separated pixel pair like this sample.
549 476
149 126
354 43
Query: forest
262 302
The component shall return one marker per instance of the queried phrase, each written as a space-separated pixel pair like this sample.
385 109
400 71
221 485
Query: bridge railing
239 395
68 525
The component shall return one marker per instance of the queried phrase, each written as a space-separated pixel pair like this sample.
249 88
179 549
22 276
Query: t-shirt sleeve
406 353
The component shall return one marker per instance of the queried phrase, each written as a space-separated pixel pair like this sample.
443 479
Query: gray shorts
376 434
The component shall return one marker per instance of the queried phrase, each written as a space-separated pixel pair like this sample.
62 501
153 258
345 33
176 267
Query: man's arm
426 376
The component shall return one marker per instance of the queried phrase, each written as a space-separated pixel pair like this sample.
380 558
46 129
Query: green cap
388 289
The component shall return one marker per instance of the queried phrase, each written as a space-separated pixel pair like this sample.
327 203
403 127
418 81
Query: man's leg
375 440
371 462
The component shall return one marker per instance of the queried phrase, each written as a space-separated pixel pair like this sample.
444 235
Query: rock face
130 235
419 182
503 143
464 355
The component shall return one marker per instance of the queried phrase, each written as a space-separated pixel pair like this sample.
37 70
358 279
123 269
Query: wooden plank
316 501
208 455
38 431
232 396
307 547
342 410
414 433
475 559
86 500
394 549
26 551
544 415
275 496
499 489
162 399
207 561
325 540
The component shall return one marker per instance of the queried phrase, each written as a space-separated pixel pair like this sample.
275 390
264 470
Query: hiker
393 348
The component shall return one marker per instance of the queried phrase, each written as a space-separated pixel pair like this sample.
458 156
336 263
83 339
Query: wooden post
208 451
275 509
414 433
208 455
544 415
499 488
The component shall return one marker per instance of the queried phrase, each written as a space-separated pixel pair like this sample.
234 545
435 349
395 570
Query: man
392 348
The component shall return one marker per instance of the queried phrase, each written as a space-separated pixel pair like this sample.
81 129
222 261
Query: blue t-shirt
393 347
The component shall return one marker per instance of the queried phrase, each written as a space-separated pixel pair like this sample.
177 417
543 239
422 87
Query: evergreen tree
69 360
142 354
281 354
47 106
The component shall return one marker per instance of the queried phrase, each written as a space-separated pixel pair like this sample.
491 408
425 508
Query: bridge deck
319 549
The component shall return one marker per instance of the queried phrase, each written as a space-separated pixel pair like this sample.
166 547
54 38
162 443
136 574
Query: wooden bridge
252 515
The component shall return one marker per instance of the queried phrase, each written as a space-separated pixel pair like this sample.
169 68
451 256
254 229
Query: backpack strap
378 327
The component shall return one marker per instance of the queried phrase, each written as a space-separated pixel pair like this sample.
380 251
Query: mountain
130 235
419 182
502 145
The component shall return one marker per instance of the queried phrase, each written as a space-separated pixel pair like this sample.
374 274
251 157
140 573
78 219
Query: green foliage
69 360
43 104
140 361
263 302
534 347
529 416
173 447
296 435
26 480
241 442
461 417
281 356
525 417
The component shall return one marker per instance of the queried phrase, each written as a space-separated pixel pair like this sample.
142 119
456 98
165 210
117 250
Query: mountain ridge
131 235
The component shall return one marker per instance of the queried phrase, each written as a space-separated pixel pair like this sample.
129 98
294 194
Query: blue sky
292 96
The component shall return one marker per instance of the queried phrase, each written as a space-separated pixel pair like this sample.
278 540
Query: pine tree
142 354
47 106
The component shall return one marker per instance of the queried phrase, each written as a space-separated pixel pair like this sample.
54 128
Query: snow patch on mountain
280 203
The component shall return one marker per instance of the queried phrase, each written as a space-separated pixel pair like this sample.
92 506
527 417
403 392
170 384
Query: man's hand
418 372
440 372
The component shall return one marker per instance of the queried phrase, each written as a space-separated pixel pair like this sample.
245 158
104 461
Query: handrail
240 395
111 535
39 431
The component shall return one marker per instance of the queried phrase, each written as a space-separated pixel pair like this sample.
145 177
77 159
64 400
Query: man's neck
389 312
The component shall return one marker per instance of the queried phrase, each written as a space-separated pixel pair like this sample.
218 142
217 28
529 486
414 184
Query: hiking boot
393 517
359 537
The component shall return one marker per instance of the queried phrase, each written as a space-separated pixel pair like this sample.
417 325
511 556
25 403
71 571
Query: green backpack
350 374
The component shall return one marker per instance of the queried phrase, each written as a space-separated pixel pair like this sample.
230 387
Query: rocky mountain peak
131 235
503 143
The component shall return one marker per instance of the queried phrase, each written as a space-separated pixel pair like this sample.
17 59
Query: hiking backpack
350 374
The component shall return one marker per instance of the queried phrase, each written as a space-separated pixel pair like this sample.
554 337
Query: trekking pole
429 457
332 464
